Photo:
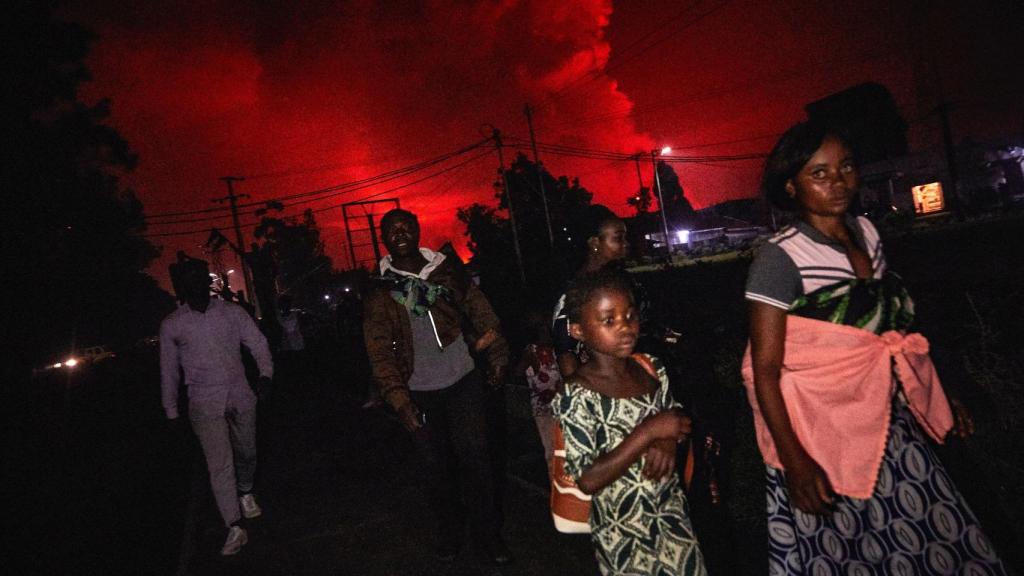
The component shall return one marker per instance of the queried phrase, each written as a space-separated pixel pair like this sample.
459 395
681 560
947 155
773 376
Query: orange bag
570 507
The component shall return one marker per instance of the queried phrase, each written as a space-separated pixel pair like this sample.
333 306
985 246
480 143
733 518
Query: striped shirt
799 259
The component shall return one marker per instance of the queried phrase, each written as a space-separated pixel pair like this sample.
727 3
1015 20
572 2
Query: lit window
928 198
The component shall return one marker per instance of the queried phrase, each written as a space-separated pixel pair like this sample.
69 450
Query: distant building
704 228
989 177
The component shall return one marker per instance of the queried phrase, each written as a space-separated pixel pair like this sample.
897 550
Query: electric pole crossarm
232 200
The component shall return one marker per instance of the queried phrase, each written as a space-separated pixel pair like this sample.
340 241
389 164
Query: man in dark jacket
423 318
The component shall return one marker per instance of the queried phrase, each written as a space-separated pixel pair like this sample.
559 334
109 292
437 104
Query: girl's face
826 184
609 324
610 244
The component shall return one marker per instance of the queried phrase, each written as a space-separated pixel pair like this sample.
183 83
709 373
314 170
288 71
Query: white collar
434 260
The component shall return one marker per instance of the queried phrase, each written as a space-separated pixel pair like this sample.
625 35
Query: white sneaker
250 509
236 539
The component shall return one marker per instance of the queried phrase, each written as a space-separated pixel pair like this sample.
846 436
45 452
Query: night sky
301 98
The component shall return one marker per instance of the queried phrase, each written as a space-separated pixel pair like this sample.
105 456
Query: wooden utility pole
661 205
496 134
540 175
232 200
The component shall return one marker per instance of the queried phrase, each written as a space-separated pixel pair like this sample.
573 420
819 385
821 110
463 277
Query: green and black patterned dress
638 526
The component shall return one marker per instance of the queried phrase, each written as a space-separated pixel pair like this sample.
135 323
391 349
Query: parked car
95 354
87 355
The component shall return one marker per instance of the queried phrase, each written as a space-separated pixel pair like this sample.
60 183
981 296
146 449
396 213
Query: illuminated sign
928 198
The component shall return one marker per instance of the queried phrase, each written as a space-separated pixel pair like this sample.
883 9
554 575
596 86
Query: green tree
70 229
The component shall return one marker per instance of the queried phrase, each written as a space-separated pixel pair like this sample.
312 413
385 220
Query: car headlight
71 362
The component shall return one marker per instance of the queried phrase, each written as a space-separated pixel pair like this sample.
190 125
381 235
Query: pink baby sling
837 383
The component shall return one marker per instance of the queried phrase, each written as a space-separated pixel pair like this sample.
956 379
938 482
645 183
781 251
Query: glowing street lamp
661 200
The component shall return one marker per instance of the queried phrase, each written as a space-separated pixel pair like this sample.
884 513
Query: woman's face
826 184
610 244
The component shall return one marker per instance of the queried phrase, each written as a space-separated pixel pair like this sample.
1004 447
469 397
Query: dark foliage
290 260
546 265
677 206
70 230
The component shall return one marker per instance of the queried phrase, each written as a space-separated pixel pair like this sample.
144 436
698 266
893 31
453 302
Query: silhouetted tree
677 206
491 236
70 231
641 201
290 259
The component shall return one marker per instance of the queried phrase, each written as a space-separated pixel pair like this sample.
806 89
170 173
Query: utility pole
661 204
641 200
639 177
232 200
540 175
496 134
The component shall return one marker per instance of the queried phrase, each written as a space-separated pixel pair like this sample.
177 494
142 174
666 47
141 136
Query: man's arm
484 320
169 366
254 340
379 340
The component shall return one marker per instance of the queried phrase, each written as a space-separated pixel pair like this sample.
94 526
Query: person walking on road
415 314
203 337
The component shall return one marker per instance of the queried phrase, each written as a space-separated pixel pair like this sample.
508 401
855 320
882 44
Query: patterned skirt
915 523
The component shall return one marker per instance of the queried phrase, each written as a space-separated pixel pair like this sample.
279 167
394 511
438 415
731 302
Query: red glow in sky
299 98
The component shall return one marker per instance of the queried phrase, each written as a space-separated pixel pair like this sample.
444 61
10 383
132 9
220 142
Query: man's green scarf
416 294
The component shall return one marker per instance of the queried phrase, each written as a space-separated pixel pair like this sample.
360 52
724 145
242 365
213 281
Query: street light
661 200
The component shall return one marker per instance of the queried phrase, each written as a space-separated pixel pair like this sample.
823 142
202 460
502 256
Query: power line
390 190
383 177
319 210
595 154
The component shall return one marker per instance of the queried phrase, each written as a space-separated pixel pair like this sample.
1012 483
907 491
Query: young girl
621 429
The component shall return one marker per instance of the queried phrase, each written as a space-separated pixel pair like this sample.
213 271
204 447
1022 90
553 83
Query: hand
671 425
410 417
660 459
263 386
809 487
963 424
496 377
176 426
486 340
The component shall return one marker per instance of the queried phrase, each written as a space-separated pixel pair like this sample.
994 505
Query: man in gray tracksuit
203 337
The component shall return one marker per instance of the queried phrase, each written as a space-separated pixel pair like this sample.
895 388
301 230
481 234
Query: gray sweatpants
229 444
